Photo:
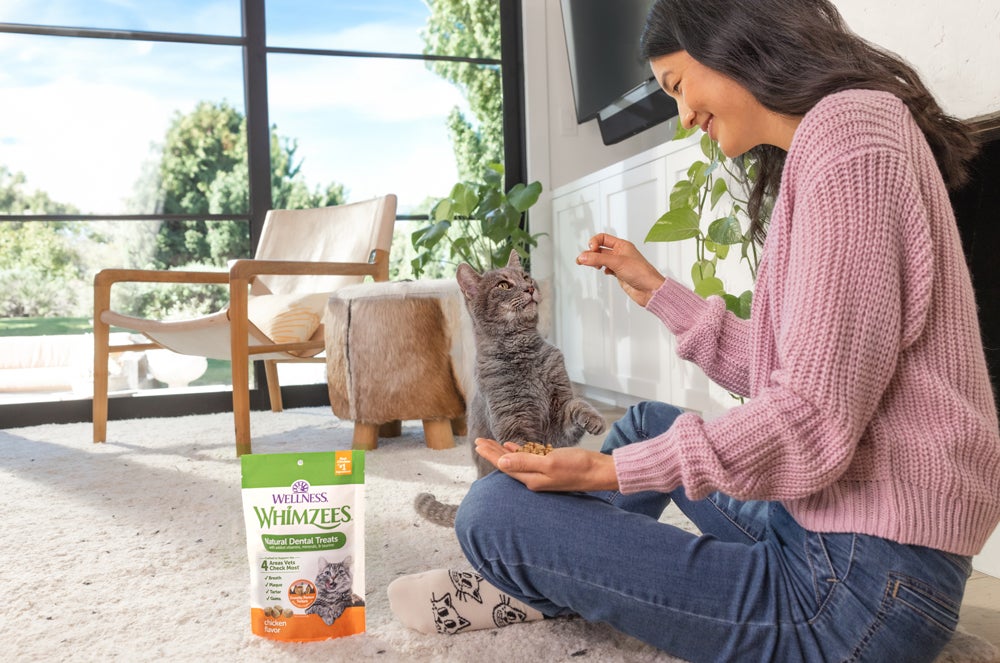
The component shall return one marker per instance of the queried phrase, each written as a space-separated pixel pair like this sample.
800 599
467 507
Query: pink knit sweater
870 408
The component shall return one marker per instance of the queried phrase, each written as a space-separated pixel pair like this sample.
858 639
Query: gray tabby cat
523 393
333 591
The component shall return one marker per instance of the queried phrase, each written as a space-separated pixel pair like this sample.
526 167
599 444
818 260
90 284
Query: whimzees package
304 516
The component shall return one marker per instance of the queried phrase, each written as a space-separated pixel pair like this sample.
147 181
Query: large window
157 134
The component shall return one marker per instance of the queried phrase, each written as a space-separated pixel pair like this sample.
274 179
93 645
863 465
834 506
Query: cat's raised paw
593 423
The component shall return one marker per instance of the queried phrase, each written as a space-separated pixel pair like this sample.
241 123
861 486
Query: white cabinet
610 343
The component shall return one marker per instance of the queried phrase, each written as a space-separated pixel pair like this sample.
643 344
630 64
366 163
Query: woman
840 505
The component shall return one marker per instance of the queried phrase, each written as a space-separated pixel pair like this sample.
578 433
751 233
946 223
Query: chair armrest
248 268
106 277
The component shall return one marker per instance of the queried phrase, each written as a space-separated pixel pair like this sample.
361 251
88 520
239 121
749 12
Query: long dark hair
790 54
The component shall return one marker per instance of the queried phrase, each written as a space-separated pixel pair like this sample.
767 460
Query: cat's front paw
591 421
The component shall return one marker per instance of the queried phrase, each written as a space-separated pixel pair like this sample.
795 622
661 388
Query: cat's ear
468 280
347 561
322 563
514 260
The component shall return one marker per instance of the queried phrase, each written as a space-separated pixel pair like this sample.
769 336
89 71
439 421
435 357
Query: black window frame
255 51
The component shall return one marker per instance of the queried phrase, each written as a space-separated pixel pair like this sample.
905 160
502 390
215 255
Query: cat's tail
434 511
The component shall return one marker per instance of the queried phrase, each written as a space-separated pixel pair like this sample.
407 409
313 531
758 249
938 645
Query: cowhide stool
399 351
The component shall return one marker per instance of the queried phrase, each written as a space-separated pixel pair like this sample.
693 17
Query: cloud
390 90
81 144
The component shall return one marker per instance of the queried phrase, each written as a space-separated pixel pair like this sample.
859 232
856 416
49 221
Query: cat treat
304 515
535 448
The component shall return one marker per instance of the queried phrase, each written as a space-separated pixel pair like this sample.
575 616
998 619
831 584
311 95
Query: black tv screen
611 82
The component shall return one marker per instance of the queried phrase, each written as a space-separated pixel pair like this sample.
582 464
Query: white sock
449 602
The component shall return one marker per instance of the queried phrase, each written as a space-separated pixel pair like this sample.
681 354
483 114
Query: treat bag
304 515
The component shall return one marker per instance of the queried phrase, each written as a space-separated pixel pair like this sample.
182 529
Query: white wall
955 46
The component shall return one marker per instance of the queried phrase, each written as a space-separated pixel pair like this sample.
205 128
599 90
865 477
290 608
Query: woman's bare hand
619 258
562 469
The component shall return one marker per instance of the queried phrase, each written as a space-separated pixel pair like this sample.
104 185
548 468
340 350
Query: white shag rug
135 549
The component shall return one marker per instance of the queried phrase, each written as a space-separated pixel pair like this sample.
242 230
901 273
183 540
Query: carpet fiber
135 549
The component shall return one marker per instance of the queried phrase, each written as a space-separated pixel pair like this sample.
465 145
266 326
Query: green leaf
675 225
708 287
683 194
707 147
726 230
462 247
696 173
492 200
428 236
740 306
720 250
701 270
463 199
746 300
704 279
442 211
680 133
719 189
417 235
522 197
498 224
493 175
418 263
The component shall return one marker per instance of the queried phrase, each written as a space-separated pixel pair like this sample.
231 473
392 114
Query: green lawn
218 371
44 326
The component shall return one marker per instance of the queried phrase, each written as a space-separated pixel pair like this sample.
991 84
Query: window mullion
258 128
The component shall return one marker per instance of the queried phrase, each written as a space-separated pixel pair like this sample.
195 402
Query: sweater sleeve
707 334
838 331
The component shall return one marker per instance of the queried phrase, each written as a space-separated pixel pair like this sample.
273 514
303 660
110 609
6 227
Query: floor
981 607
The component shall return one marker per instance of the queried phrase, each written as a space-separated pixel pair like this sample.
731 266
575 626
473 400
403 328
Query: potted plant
691 200
478 223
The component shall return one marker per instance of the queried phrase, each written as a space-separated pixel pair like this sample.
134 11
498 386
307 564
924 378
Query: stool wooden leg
459 426
437 434
391 429
365 436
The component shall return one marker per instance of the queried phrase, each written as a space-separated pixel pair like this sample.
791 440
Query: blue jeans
755 586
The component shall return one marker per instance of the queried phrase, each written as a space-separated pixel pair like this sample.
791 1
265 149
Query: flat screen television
611 82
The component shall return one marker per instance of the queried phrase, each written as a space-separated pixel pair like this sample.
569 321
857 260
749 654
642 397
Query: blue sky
79 115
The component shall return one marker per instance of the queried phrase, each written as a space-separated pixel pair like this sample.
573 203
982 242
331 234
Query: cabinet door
581 321
642 357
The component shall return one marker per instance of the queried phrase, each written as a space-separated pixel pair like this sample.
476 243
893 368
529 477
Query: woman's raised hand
619 258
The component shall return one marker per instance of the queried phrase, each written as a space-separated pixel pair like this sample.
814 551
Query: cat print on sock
449 602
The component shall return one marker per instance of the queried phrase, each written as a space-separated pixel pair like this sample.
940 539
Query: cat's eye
503 285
